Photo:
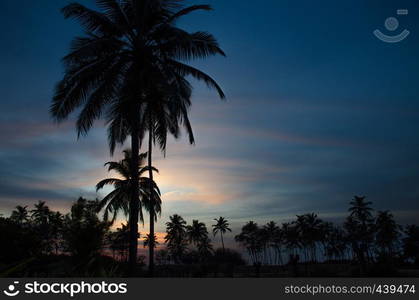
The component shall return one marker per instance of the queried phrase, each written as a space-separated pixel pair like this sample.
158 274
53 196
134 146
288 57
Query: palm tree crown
20 215
197 232
119 198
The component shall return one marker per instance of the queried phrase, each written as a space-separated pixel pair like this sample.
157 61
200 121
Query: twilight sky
318 110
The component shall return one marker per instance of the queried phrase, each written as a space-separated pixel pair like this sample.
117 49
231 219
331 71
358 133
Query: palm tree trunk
222 241
134 202
150 175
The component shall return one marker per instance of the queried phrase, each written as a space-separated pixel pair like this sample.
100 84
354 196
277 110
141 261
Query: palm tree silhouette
360 209
56 222
40 213
20 214
292 239
176 237
205 248
197 232
132 50
150 242
359 226
249 238
119 241
221 227
271 231
387 233
309 227
119 198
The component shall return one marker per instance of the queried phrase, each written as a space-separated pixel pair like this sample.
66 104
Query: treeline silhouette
373 241
43 242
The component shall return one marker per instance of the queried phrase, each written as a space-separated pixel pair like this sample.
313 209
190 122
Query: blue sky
318 110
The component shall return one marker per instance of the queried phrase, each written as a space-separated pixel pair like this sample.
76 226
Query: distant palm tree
56 222
334 241
250 239
205 248
361 209
41 213
360 227
131 54
271 231
20 215
221 227
150 242
387 233
196 232
119 198
292 238
309 227
176 237
278 243
119 241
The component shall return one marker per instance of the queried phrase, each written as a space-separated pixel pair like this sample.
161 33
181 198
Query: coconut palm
196 232
361 209
387 233
334 241
360 227
119 198
292 238
221 227
40 214
119 241
278 243
205 248
310 233
20 214
128 48
56 222
271 232
150 242
176 237
249 238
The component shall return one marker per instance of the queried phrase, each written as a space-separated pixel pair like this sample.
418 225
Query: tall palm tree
250 239
278 241
56 222
292 237
271 231
361 220
196 232
20 214
119 198
129 47
222 226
